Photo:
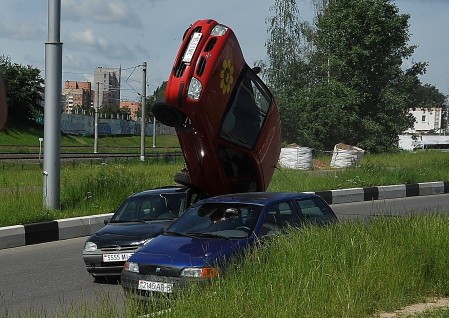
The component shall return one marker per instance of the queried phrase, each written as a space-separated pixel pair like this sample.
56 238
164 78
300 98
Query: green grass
95 187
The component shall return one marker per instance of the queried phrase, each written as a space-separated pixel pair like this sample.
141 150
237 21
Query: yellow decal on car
227 76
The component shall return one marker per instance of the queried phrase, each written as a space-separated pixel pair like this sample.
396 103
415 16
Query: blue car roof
260 198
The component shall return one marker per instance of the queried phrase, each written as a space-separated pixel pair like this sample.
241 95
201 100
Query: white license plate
188 55
155 286
119 257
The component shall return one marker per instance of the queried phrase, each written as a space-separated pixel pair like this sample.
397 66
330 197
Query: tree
362 44
158 95
24 91
287 49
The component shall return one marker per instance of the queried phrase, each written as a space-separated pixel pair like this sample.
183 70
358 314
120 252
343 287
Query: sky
126 33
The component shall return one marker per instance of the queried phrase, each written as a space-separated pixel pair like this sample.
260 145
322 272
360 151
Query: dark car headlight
90 247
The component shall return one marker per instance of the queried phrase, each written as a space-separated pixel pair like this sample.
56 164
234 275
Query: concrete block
430 188
392 191
12 236
348 195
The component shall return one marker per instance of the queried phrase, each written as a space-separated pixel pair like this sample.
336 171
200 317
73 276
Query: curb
28 234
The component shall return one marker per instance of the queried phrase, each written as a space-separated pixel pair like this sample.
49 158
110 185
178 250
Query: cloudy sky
125 33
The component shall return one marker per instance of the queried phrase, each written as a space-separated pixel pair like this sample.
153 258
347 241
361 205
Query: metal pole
52 111
142 127
40 148
154 132
96 119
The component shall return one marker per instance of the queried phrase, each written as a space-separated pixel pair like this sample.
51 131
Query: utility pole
52 111
96 118
142 127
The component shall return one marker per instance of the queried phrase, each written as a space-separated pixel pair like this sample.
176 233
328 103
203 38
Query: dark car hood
186 251
128 233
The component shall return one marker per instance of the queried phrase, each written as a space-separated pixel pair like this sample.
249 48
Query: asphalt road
51 276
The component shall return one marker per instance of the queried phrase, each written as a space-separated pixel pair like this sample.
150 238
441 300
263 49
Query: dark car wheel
168 115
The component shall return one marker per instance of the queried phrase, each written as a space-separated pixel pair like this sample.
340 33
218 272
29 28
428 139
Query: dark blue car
140 218
197 246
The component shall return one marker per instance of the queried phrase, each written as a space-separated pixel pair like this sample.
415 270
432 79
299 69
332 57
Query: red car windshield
246 115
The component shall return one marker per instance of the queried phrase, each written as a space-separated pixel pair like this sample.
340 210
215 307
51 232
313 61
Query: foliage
362 45
344 82
287 50
24 91
158 95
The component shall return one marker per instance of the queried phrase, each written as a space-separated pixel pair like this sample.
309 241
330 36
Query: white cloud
87 40
100 11
21 30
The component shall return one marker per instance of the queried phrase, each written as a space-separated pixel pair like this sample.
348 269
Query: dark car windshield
217 220
165 206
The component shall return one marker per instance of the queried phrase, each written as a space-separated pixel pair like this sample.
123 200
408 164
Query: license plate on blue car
155 286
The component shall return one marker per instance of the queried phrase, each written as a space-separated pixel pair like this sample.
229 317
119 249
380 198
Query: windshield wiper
214 235
120 221
178 233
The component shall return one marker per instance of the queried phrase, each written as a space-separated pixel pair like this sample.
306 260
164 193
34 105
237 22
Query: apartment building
76 96
107 86
133 107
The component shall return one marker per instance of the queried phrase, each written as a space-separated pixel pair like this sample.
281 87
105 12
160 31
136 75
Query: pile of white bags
346 155
296 157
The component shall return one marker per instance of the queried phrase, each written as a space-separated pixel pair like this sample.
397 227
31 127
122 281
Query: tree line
340 78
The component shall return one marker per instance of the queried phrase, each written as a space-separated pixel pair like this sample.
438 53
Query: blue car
197 246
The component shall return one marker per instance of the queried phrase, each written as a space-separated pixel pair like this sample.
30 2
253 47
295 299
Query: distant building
426 120
133 107
76 96
107 82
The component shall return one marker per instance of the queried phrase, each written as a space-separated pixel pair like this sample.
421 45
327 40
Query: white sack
296 158
345 156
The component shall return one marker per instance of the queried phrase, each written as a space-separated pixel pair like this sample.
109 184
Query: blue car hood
127 233
184 251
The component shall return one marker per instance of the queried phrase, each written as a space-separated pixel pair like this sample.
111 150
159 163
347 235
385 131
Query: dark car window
151 207
316 210
245 117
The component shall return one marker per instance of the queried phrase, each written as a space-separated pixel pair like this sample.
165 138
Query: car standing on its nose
198 245
226 118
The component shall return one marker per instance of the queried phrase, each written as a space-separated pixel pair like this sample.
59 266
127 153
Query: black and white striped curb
19 235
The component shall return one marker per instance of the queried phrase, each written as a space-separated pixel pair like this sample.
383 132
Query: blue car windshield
227 220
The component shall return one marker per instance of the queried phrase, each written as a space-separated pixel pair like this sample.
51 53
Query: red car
226 119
